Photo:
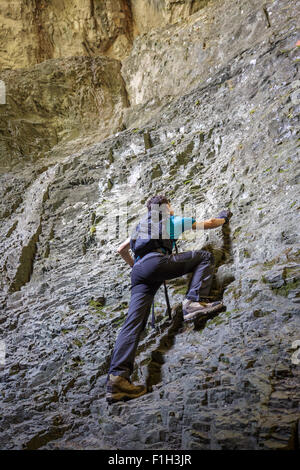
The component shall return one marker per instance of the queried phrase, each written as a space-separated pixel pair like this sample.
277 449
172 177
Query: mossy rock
156 172
216 321
97 306
237 232
120 320
92 230
271 263
288 287
184 157
181 290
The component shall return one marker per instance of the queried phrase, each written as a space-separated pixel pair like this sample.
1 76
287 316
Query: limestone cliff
199 100
33 31
58 101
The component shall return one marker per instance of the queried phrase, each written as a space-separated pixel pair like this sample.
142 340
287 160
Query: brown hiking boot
196 310
120 389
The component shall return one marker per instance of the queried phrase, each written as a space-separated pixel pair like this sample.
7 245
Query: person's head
159 201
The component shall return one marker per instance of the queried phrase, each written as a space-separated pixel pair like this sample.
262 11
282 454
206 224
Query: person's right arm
123 250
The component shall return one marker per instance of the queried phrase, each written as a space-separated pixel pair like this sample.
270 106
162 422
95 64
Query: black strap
168 307
153 316
167 300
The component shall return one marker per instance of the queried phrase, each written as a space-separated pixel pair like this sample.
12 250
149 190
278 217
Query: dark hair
158 199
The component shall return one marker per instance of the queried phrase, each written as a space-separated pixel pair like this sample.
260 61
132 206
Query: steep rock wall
152 14
170 61
229 383
36 30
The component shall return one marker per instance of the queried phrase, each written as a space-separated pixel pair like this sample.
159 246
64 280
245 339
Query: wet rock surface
228 383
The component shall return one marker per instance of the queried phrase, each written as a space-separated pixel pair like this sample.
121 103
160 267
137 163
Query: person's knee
211 257
207 256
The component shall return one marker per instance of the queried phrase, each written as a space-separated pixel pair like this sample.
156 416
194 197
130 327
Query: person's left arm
215 222
208 224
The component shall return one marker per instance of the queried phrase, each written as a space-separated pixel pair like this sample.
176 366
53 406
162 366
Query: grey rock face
228 383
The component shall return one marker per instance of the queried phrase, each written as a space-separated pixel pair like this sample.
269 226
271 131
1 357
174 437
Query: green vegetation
271 263
13 227
195 188
97 307
202 136
249 299
156 172
286 288
120 320
216 321
233 291
180 290
77 361
92 230
261 313
237 232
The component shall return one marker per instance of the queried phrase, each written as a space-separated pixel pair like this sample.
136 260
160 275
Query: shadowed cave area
105 104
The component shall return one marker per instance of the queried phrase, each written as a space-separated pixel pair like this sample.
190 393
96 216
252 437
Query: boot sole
122 397
203 313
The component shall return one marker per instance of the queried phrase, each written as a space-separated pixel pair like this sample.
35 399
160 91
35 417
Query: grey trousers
147 276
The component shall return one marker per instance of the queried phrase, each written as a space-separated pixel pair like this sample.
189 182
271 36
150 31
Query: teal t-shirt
178 225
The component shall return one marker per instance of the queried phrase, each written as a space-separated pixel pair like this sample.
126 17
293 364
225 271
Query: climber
152 243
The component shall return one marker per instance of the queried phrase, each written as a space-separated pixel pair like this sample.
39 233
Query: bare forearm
213 223
123 250
126 257
208 224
